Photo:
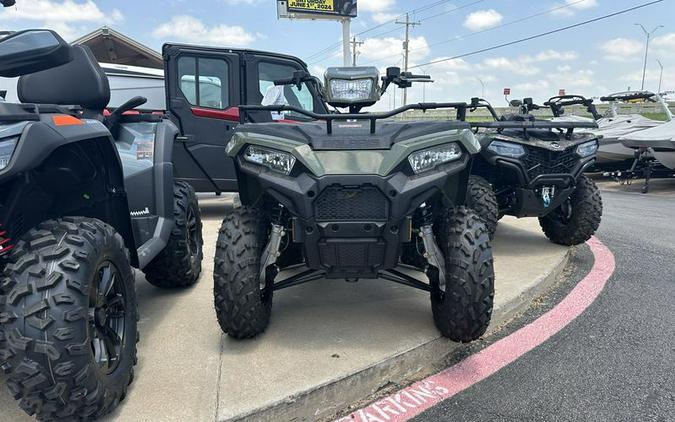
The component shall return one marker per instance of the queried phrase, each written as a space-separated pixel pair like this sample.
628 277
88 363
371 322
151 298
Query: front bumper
527 199
352 226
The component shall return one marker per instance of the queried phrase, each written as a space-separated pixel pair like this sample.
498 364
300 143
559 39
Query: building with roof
110 46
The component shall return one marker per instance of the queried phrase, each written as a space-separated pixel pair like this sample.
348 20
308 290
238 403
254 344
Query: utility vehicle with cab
350 196
84 199
534 168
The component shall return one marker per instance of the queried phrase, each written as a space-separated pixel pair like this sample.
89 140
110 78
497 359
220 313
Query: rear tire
481 198
68 348
242 307
180 263
463 312
581 220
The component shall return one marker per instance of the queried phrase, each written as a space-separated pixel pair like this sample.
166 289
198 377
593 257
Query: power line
543 34
328 50
513 22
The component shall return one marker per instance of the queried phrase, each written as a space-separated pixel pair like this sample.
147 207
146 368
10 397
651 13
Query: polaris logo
140 213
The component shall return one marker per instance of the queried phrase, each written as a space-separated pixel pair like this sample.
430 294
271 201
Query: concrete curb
325 401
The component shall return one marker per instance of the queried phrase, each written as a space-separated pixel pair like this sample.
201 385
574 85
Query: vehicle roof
235 50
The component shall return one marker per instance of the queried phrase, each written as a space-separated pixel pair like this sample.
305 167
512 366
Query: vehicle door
261 72
203 90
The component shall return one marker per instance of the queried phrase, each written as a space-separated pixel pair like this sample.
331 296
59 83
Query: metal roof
110 46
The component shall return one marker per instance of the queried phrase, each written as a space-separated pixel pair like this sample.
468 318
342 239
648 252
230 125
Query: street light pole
483 86
660 76
649 36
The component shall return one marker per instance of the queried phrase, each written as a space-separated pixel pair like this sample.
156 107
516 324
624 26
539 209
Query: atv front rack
538 124
244 115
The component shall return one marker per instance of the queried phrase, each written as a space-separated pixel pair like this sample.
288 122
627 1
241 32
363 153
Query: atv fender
41 159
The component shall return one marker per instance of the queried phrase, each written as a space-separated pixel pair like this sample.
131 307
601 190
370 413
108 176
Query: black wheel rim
192 233
107 317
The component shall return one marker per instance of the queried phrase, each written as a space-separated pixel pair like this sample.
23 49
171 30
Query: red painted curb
411 401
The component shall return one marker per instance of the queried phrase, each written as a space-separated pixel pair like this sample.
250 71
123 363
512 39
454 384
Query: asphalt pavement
615 362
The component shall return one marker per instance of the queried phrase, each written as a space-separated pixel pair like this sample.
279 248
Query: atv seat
80 82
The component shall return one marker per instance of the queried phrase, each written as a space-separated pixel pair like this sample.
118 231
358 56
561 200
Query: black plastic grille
540 161
341 203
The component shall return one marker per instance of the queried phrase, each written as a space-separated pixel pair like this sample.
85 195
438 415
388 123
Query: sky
592 60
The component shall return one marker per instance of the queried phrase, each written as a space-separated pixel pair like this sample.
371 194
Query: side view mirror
8 3
31 51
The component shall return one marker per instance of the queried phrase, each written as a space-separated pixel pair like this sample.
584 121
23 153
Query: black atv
534 168
350 196
83 199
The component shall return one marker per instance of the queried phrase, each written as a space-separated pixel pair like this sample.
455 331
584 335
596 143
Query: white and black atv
84 198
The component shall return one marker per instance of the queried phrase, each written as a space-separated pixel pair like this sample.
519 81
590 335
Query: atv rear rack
461 108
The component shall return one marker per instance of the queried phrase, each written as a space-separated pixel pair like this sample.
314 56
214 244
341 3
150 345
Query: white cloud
376 5
666 42
190 29
382 17
529 87
570 7
622 49
68 11
483 19
525 65
566 77
549 55
70 18
518 66
375 49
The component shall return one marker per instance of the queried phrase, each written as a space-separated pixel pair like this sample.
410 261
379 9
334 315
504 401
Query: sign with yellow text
344 8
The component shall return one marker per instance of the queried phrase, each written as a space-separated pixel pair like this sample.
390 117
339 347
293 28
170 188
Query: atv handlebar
477 103
557 103
372 117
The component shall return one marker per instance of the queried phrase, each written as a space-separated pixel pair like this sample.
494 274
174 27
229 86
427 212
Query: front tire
578 219
463 311
481 198
243 308
180 263
68 314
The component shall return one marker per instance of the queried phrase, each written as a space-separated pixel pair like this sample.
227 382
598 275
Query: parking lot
330 343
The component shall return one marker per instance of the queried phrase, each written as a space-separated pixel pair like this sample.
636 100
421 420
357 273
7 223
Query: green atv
350 196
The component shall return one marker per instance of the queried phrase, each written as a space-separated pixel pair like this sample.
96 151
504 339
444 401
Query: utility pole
649 36
346 35
406 49
355 52
660 76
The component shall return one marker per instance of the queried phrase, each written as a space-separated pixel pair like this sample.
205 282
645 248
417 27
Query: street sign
507 91
317 9
561 92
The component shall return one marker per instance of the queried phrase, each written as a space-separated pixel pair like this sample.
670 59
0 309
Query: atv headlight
6 151
427 159
587 149
351 91
506 149
282 162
